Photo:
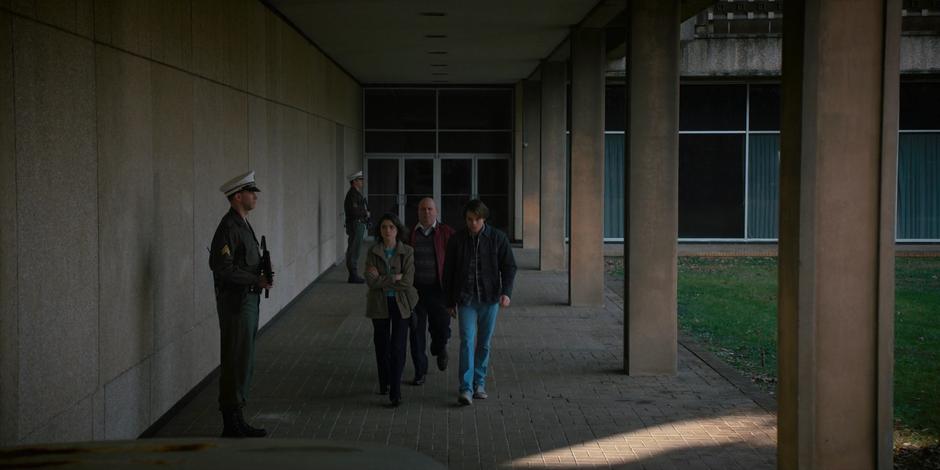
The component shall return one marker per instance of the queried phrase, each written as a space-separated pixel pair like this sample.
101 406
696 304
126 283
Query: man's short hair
477 208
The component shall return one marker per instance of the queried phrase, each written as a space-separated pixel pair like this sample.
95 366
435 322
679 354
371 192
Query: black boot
231 426
247 429
355 279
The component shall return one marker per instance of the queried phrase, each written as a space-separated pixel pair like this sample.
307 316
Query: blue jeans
477 323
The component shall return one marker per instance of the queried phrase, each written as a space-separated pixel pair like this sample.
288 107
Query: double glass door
397 184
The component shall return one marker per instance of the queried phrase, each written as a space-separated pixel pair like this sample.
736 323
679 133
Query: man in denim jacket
479 270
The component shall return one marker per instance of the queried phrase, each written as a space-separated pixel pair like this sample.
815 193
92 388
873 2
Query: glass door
418 184
456 190
382 187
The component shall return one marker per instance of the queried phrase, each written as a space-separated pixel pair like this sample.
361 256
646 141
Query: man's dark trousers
238 321
429 315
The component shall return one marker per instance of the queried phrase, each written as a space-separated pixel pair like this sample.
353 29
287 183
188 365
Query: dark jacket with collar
235 257
497 267
442 234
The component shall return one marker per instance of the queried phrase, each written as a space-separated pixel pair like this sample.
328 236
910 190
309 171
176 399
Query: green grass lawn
730 306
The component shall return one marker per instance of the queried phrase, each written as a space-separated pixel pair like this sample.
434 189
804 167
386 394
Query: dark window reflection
382 176
712 107
615 108
711 186
765 108
475 109
920 105
400 142
475 142
399 109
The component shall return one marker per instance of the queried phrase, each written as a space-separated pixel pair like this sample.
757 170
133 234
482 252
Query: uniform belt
252 289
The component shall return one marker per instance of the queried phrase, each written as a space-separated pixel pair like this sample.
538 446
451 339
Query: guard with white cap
235 260
357 219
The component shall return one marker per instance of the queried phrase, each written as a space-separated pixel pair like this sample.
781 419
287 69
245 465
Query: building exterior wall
118 123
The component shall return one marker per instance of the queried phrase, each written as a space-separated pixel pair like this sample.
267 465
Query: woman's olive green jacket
402 262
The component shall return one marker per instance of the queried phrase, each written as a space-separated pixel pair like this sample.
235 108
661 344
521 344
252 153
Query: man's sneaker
464 398
480 393
442 360
419 380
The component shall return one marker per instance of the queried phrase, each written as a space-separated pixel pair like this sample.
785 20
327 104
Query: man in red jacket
429 239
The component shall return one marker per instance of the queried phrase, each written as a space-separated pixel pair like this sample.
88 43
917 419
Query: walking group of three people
419 280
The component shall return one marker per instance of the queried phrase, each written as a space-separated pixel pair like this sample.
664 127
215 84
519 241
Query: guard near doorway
357 219
235 260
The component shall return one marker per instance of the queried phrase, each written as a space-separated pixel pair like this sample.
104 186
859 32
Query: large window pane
451 210
456 174
419 176
763 179
456 186
475 142
711 186
400 142
399 109
615 108
379 205
492 176
712 107
918 186
499 211
382 176
613 186
765 108
475 109
920 105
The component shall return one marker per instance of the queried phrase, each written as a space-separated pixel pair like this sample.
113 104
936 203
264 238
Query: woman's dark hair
477 208
395 220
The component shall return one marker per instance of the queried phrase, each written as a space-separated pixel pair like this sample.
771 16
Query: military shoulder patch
226 251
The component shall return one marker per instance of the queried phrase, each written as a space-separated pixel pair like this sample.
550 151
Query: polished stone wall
118 122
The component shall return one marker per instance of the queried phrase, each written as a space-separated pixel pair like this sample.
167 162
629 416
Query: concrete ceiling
487 41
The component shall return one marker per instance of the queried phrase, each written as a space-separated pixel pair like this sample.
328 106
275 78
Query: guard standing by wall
235 260
357 219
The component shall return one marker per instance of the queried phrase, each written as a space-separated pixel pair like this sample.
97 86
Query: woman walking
390 274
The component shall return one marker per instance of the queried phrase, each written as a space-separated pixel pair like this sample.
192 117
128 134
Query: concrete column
652 211
531 165
837 194
586 263
518 146
552 195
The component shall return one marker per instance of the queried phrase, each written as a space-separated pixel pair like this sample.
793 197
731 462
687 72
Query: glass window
400 142
712 107
475 109
492 176
763 185
493 189
615 104
475 142
920 106
765 108
399 109
711 186
382 177
456 186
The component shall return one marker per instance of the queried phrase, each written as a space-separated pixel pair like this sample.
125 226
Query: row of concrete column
837 167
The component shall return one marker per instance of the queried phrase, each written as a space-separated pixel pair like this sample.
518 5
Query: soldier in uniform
357 217
235 260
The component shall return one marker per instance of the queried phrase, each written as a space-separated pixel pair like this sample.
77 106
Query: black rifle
266 265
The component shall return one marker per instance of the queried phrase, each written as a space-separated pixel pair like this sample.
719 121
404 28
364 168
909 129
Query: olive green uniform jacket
402 262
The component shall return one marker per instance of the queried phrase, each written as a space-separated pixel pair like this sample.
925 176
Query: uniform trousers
238 322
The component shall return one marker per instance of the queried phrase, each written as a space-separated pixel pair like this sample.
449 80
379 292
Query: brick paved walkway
558 397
